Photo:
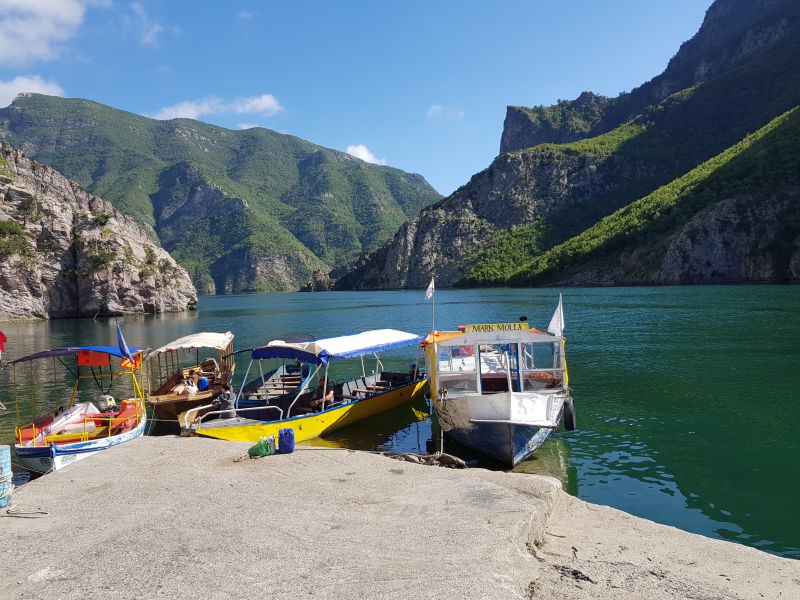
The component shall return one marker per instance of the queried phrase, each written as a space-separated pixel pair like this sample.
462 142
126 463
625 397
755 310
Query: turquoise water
687 397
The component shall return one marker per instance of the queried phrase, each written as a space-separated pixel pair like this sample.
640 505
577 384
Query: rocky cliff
731 33
67 253
742 71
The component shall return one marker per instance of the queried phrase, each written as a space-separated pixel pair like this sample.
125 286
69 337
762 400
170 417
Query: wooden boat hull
52 457
313 425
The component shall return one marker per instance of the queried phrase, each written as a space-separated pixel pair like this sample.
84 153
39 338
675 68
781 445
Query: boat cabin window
457 368
498 364
541 365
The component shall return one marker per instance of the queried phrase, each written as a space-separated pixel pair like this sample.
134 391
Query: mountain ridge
532 199
301 207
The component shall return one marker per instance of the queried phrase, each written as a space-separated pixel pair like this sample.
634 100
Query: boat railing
239 410
78 436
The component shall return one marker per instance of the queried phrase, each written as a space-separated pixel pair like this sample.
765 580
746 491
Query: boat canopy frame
320 353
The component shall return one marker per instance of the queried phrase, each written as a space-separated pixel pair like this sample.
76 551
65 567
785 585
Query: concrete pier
178 518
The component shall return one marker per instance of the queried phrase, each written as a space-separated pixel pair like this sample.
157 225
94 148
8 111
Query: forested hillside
241 210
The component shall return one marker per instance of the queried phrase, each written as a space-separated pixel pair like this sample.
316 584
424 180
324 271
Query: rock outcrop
731 33
740 239
67 253
739 73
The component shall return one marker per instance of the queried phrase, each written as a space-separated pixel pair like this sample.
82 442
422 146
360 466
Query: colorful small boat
500 388
208 354
78 430
354 398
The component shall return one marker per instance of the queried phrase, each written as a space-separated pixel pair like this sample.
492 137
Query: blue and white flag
123 347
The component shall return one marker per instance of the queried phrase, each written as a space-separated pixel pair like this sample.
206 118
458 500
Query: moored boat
500 388
207 356
80 429
339 403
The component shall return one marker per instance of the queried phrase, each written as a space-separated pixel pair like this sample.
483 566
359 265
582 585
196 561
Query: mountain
567 167
67 253
241 210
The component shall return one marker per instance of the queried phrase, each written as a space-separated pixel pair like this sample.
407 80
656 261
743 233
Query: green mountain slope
241 210
595 156
661 144
761 171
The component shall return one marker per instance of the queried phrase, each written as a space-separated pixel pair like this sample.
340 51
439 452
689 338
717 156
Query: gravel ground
179 518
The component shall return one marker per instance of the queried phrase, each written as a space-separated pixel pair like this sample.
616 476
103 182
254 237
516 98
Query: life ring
540 376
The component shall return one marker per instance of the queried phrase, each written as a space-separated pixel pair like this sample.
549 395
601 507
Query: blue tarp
111 350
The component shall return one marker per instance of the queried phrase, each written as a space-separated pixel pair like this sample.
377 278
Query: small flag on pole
123 347
430 290
556 326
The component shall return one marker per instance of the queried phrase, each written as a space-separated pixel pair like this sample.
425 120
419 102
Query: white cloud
30 83
147 28
32 30
245 14
364 153
247 125
265 104
190 109
440 111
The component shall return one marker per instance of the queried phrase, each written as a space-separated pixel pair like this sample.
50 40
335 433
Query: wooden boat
168 367
500 388
354 398
80 429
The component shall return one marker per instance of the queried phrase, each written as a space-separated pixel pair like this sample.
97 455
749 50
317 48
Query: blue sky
418 85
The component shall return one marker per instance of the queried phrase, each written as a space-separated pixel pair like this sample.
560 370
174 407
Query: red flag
3 340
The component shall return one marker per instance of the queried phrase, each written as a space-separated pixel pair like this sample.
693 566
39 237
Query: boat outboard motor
106 402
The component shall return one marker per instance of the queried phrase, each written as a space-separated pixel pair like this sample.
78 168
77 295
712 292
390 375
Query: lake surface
687 397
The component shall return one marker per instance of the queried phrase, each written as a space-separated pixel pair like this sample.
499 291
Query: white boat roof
346 346
205 339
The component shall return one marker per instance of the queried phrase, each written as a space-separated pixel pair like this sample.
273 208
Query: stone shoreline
174 517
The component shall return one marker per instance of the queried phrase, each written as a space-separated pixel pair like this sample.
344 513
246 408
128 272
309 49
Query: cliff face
66 253
732 32
742 71
519 189
740 239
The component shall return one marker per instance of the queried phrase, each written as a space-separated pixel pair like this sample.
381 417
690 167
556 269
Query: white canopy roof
346 346
206 339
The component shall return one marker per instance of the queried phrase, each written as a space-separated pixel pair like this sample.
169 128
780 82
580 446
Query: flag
429 291
556 326
123 347
3 340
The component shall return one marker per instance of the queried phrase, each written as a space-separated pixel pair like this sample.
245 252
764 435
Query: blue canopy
110 350
346 346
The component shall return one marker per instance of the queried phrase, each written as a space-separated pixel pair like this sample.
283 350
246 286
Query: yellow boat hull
307 427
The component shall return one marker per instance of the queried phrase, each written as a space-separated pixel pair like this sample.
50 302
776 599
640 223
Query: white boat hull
44 459
506 426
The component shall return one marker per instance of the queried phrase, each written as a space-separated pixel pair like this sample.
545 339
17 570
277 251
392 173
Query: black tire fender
570 418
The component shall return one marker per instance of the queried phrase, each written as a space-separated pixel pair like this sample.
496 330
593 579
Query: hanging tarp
110 350
346 346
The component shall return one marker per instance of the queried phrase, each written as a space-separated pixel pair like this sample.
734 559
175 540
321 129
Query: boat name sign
496 327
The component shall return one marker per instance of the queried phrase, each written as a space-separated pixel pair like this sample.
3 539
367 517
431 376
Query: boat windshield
489 368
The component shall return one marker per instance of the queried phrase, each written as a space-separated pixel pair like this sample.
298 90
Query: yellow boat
352 400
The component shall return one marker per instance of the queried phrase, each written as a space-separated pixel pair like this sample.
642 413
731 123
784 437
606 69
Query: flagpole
433 311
